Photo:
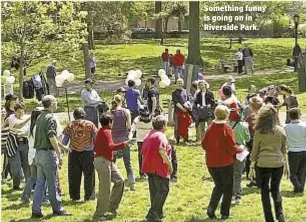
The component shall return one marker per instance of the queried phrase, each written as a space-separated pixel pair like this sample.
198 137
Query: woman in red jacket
220 146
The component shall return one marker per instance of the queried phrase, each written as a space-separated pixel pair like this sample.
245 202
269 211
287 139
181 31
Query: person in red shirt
156 163
178 64
220 146
104 149
165 61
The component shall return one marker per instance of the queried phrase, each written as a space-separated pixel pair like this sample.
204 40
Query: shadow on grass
46 218
16 206
248 190
290 194
198 219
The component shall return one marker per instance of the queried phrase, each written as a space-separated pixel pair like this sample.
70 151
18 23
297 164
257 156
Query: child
185 121
142 125
157 165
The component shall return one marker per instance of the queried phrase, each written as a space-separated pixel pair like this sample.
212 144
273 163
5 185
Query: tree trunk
159 22
164 30
194 55
86 59
21 76
179 25
90 37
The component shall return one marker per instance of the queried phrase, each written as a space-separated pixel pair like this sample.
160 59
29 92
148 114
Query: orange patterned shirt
81 134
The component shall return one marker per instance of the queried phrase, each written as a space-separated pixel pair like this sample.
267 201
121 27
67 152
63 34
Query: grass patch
187 200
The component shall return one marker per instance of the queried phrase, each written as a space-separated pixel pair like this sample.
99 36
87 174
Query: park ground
188 199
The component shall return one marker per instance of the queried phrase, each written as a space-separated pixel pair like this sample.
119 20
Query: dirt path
110 86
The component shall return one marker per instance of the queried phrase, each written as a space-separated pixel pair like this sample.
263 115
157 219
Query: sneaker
62 213
238 201
173 179
281 218
211 215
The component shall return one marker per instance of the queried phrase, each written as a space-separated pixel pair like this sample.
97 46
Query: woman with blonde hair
120 131
255 103
269 154
220 146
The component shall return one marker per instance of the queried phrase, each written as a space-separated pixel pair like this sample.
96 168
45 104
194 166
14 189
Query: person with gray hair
47 153
51 74
81 134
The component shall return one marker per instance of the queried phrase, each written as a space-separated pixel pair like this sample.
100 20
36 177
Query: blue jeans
178 72
20 160
30 183
92 114
45 161
126 159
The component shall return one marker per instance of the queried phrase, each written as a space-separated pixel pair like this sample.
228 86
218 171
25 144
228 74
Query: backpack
28 89
237 110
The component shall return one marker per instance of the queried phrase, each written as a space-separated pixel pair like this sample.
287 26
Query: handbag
205 113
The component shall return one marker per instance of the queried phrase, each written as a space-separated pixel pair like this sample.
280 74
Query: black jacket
209 99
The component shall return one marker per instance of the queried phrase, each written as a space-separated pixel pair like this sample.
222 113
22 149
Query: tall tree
194 55
159 21
37 30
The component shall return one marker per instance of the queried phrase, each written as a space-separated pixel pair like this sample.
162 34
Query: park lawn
187 200
116 59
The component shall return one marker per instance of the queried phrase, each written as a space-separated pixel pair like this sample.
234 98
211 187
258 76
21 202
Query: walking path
111 86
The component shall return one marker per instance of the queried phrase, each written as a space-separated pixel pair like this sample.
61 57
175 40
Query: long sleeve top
90 98
269 148
104 145
220 145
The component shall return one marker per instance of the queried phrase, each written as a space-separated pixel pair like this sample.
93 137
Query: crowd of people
237 137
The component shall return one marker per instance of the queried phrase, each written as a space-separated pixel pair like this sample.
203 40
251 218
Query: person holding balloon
132 97
51 74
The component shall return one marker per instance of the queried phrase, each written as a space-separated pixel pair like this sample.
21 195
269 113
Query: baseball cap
10 97
121 90
89 81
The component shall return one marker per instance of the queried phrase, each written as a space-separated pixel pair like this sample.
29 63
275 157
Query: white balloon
70 77
138 73
167 81
59 80
161 72
164 77
6 73
137 82
162 84
132 75
65 73
10 79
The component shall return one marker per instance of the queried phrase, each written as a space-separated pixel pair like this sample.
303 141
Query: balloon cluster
134 75
165 81
65 75
7 78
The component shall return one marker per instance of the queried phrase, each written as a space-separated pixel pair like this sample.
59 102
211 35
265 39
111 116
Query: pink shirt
152 161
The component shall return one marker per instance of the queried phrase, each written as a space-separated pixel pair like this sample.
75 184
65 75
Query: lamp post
296 19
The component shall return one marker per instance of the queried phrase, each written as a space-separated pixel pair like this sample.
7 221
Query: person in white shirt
231 83
296 139
239 58
91 100
18 123
142 125
93 65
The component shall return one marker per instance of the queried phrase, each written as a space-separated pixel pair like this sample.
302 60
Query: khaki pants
53 90
107 172
202 126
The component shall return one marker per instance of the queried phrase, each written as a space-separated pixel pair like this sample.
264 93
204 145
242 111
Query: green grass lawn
186 202
117 59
